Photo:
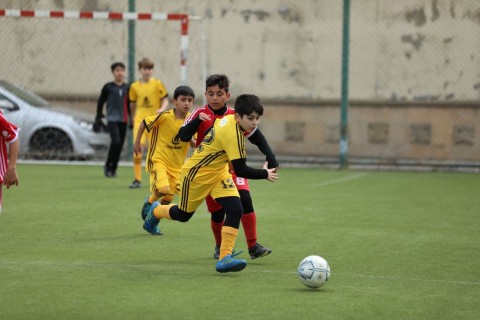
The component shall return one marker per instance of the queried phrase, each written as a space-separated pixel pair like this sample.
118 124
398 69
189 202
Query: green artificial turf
400 246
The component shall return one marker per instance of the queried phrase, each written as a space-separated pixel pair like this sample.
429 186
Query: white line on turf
17 265
339 180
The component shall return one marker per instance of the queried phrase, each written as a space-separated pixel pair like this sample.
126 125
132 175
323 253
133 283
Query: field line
340 180
16 265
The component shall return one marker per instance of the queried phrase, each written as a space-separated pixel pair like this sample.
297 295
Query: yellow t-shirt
147 97
164 144
224 142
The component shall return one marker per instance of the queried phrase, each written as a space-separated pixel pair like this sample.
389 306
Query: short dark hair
183 91
145 63
219 80
116 65
246 104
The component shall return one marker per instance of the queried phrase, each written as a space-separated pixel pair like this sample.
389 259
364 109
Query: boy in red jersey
199 122
8 159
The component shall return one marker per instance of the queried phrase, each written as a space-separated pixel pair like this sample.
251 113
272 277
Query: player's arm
137 148
257 138
193 143
133 108
242 170
100 102
163 104
11 177
191 125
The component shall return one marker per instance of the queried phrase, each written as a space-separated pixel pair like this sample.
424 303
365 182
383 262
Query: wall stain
416 16
259 14
289 15
435 12
416 42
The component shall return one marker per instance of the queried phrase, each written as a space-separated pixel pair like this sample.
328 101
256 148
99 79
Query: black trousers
118 131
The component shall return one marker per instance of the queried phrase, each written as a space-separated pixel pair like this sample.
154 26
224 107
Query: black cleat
216 254
258 251
135 184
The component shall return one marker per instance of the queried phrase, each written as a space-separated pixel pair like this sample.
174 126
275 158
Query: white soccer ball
313 271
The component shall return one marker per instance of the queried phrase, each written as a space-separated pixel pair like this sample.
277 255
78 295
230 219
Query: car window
25 95
6 104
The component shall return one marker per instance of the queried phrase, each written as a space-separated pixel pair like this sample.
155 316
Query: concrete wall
381 132
410 50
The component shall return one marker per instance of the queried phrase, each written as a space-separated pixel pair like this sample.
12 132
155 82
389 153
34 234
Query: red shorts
240 183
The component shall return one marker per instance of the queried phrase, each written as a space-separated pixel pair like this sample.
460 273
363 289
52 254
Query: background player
205 173
115 95
202 119
148 96
8 156
166 153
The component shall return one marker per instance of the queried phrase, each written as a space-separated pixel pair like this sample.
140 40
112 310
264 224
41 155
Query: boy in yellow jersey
206 173
148 97
166 153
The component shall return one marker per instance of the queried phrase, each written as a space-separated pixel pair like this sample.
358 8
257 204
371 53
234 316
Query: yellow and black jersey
147 97
224 142
164 144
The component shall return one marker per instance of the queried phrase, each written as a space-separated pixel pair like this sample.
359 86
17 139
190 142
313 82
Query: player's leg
191 197
233 214
249 223
113 132
160 188
137 159
225 193
119 141
217 215
249 219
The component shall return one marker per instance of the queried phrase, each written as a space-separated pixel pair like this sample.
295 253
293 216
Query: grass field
400 246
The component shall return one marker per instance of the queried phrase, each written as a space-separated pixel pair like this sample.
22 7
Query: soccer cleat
135 184
216 253
145 208
107 172
151 222
258 251
230 264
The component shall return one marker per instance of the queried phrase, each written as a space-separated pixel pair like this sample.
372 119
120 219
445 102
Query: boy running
166 153
202 119
205 173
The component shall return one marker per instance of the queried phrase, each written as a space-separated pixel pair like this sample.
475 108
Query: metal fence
414 81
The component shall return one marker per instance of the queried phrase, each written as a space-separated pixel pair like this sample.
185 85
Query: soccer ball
313 271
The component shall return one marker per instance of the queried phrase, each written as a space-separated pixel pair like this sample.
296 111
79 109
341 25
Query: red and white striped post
104 15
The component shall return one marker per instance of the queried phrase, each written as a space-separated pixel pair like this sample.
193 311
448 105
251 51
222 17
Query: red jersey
8 134
207 124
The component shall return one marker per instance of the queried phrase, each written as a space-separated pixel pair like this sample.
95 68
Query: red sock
249 222
217 231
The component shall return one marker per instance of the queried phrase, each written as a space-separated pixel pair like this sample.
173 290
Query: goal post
42 44
129 16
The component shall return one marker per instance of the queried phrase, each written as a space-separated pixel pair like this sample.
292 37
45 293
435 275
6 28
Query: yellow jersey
164 144
224 142
147 96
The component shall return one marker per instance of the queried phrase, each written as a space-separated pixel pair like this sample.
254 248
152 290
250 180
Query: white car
45 132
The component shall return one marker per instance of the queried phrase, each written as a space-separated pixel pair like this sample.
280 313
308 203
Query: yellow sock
137 168
163 212
229 235
153 197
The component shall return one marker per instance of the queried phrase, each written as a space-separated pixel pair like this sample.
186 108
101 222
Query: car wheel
50 144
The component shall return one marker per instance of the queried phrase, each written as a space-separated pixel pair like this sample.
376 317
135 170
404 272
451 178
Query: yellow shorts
161 176
195 187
